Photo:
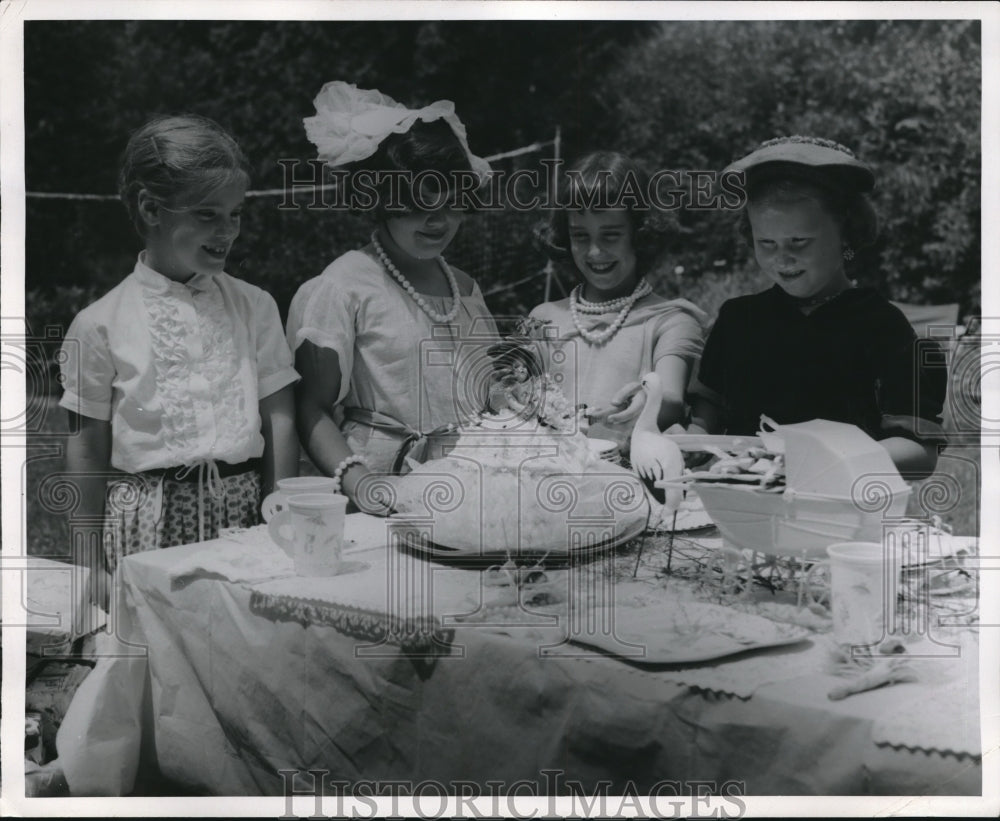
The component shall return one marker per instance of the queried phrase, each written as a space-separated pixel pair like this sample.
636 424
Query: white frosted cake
524 481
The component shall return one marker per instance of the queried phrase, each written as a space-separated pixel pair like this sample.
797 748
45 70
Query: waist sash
414 442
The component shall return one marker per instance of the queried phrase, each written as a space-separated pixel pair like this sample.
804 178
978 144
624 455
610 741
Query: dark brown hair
429 147
605 179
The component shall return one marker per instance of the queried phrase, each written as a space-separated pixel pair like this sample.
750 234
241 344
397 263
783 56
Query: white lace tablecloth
250 555
231 691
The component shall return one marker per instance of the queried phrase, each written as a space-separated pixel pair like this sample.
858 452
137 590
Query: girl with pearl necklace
612 329
378 335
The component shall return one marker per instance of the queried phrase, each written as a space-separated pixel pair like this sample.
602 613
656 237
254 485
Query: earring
848 254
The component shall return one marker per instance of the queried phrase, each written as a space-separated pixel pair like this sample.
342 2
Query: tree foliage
905 95
512 84
691 95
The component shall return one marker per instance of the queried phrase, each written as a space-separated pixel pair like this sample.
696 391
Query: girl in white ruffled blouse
179 380
387 338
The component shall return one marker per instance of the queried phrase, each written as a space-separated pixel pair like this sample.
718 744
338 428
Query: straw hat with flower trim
808 158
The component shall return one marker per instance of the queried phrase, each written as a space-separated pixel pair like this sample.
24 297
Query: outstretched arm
627 403
673 372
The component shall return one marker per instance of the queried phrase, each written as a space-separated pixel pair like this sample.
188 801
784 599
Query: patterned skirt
146 511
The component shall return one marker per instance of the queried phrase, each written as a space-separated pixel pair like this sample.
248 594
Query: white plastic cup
864 581
278 500
311 531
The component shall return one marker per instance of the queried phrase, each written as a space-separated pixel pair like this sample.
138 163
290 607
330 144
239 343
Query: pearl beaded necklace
441 319
578 305
584 306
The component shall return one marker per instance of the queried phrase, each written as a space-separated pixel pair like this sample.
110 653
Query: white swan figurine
655 456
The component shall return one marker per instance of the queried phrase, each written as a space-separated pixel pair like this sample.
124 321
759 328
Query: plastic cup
278 500
311 531
864 580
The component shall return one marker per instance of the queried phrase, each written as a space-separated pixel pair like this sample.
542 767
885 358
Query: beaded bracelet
338 474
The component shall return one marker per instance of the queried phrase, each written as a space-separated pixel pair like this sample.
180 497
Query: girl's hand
625 406
372 493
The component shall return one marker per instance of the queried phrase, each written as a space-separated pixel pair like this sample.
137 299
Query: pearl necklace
440 319
623 305
584 306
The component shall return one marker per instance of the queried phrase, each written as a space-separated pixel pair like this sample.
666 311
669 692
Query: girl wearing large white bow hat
385 337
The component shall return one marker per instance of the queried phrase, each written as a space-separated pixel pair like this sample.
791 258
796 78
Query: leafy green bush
680 95
905 95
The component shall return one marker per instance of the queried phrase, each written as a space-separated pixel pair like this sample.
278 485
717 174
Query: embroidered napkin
942 715
942 719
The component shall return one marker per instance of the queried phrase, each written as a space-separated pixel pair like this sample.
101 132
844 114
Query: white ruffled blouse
177 368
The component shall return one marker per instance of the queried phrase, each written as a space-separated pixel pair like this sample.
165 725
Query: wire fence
283 192
76 252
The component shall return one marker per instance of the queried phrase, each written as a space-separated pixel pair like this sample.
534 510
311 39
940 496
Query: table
232 693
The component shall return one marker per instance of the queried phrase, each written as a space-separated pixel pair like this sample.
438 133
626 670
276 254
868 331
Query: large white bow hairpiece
351 122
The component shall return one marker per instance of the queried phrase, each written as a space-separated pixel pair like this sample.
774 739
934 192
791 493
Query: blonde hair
179 160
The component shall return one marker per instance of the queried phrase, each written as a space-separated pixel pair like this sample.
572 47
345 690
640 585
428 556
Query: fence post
557 147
